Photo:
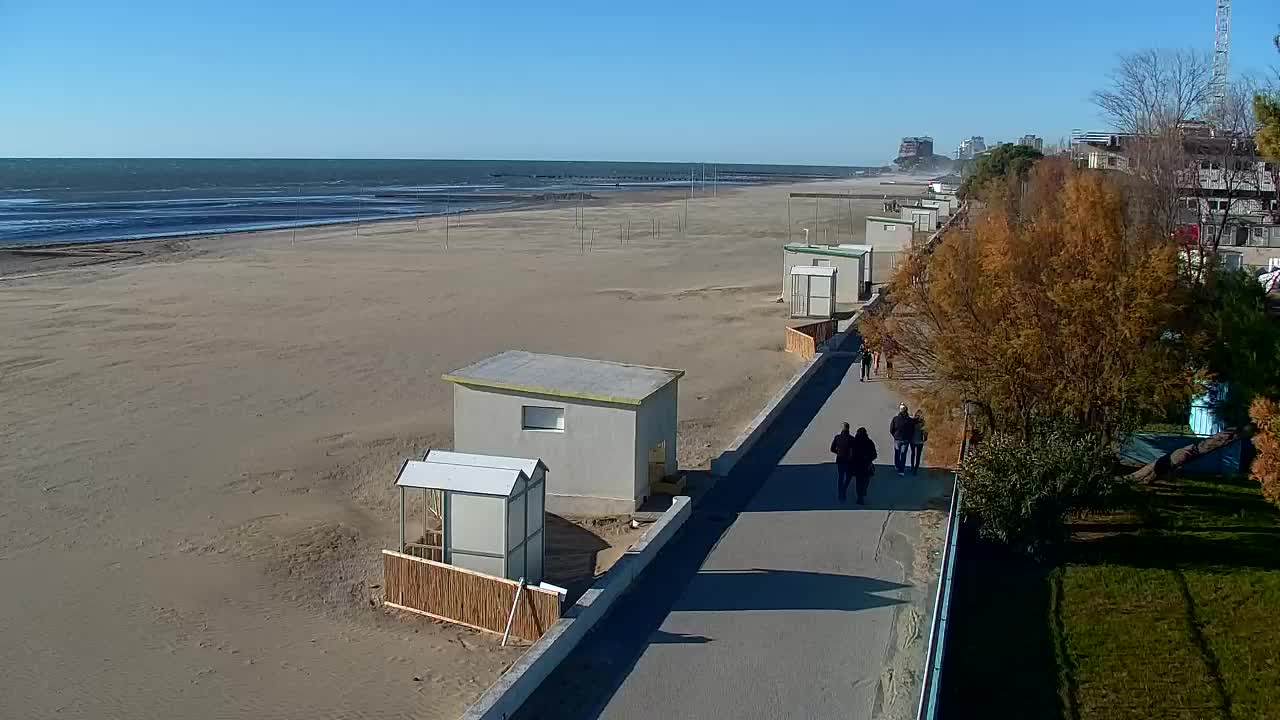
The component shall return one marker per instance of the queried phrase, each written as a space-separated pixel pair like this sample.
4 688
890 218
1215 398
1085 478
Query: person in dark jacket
903 429
863 460
842 446
866 365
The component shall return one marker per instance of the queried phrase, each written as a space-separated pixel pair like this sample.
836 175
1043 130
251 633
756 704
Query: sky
834 82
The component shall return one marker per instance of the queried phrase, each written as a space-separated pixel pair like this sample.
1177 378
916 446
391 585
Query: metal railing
931 687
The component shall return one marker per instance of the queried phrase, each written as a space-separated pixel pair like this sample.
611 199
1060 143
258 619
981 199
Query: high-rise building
1033 141
970 148
916 147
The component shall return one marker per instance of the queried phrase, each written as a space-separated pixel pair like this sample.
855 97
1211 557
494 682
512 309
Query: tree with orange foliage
1265 413
1060 301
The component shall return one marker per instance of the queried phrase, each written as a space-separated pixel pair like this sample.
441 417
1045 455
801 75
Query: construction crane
1221 51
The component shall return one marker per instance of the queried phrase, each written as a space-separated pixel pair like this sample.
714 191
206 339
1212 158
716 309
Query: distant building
1229 192
970 148
1034 142
920 148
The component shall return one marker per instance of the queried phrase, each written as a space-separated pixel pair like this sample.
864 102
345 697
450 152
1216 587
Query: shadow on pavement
732 590
797 488
662 637
583 684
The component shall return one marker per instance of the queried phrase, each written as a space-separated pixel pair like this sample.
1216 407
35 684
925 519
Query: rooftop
565 377
464 472
900 221
824 250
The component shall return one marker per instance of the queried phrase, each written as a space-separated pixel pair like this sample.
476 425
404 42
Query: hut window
542 418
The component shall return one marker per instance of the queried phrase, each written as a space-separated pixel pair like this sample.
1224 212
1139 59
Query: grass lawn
1169 611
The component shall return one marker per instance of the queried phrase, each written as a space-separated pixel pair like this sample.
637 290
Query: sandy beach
199 442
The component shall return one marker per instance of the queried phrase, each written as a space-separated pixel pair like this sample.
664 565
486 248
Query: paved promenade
775 600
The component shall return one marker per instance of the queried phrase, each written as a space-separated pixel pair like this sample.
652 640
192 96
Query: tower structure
1221 50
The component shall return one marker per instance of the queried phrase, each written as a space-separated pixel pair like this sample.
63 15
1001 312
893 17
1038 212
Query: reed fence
805 339
466 597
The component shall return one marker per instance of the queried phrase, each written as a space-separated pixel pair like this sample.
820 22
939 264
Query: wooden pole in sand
850 201
788 218
417 216
297 216
446 224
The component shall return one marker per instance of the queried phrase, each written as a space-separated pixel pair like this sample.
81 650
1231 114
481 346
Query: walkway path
775 600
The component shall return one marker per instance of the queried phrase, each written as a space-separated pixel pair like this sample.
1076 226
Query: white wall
848 272
909 212
891 240
590 465
944 207
655 422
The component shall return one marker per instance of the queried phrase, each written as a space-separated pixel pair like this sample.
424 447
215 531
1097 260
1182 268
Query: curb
506 695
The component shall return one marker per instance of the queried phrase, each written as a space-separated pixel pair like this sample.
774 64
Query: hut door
657 462
799 296
821 296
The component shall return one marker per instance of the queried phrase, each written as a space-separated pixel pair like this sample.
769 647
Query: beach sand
199 443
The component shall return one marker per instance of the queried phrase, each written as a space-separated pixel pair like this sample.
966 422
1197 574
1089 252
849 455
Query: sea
59 201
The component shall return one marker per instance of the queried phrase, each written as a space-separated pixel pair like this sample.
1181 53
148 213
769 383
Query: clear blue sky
831 82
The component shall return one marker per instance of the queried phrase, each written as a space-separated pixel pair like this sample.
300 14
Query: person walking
866 364
919 436
863 461
902 428
842 446
875 354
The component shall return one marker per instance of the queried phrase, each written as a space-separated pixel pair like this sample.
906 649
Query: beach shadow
570 555
735 590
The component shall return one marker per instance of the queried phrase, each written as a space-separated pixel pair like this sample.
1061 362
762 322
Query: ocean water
47 201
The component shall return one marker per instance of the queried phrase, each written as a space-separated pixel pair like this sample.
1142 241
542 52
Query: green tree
1003 161
1237 342
1022 489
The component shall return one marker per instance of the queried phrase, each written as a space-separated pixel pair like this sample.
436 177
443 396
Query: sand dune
199 444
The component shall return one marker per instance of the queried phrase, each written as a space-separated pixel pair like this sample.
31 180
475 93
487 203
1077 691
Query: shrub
1022 491
1265 413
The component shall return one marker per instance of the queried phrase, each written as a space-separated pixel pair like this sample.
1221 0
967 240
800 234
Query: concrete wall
848 272
898 238
590 465
655 422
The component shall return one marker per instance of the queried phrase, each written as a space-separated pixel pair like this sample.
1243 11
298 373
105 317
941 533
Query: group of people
856 453
872 359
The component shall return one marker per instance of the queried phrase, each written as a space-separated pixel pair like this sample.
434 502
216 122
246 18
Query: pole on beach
417 216
850 202
446 225
297 216
788 218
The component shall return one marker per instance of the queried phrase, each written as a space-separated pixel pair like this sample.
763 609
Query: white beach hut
813 291
492 510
